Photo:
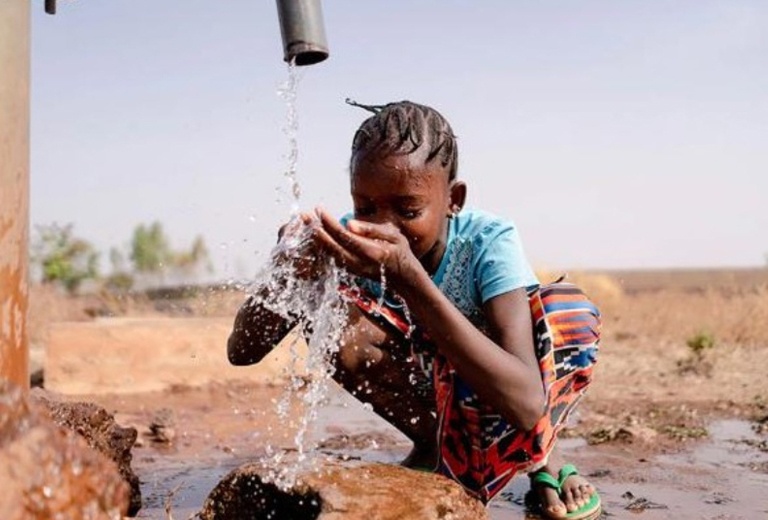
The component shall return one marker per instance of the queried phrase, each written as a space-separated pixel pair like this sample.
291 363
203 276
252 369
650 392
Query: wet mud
221 427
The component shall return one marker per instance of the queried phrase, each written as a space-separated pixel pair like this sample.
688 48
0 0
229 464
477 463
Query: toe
586 492
579 497
569 500
552 504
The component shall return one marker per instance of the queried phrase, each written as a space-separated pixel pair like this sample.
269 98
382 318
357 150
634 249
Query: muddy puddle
722 477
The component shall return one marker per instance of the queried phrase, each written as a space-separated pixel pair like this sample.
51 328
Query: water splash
314 306
317 309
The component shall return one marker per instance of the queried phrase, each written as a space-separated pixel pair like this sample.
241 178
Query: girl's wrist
411 281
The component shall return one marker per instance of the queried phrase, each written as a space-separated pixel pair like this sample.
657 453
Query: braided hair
404 127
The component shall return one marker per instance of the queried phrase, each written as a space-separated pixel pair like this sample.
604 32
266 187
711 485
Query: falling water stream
288 91
315 306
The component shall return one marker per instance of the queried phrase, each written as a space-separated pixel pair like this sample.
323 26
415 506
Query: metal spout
301 25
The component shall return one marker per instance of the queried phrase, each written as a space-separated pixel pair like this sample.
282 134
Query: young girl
453 357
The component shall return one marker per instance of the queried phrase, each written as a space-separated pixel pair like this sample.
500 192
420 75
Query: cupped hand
297 245
365 247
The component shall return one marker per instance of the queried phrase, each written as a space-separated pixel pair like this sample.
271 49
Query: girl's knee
356 359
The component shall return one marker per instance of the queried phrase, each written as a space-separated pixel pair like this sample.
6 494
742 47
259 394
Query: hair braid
404 127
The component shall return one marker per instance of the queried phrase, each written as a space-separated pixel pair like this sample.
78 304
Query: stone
637 433
336 492
99 429
48 471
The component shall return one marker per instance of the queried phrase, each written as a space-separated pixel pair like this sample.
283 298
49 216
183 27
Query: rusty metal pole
14 189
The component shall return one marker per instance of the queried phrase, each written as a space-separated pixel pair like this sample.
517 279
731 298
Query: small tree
120 281
187 263
697 363
150 252
152 256
700 343
64 258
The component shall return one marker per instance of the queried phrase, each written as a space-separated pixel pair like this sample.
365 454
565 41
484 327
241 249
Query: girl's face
404 191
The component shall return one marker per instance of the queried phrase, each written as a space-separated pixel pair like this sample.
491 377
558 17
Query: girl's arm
502 369
255 333
257 330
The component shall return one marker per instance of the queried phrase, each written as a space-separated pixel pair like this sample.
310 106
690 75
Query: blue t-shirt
483 259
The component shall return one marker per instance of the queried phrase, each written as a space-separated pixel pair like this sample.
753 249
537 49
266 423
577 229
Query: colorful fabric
478 448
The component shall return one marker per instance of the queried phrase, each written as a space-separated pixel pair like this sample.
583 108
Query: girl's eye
410 214
364 212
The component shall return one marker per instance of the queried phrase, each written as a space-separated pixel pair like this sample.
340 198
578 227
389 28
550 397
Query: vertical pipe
14 189
303 31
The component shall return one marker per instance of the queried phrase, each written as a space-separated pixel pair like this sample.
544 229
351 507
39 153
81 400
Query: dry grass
663 306
675 305
736 318
604 290
48 304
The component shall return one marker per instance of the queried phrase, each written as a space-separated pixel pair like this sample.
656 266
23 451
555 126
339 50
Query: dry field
649 373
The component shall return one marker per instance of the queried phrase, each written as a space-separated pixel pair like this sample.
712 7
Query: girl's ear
458 197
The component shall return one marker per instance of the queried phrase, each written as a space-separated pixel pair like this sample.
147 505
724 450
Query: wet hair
404 127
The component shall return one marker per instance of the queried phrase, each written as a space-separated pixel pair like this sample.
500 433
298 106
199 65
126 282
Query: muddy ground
675 425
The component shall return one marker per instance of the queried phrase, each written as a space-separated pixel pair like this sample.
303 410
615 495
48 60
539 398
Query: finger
365 261
386 232
336 250
328 222
363 249
294 226
329 229
307 217
355 244
281 231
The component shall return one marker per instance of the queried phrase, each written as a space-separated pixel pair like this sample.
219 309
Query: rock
366 492
161 429
48 471
625 434
637 433
100 431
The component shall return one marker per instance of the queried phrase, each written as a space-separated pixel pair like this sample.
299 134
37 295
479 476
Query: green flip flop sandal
589 511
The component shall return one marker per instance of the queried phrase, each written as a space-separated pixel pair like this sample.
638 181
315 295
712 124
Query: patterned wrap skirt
477 447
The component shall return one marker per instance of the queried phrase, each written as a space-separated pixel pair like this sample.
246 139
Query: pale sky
616 134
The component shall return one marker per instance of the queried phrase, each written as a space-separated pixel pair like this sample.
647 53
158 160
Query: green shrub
700 343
